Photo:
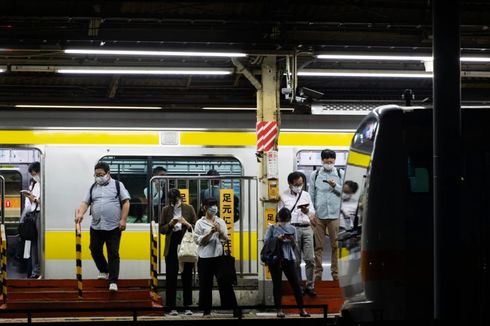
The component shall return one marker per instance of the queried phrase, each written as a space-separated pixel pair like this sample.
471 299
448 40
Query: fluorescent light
110 107
363 73
374 57
368 57
143 71
240 109
158 53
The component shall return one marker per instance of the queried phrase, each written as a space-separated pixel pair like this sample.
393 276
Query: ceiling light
240 109
363 73
157 53
367 57
108 107
374 57
144 71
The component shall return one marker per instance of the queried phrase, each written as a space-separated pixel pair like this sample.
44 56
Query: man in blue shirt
325 190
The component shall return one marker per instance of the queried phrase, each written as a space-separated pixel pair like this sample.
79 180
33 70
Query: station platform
55 301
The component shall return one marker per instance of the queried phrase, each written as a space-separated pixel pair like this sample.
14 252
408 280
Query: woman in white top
32 206
209 233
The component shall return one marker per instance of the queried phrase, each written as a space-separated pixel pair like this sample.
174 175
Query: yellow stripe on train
359 159
60 245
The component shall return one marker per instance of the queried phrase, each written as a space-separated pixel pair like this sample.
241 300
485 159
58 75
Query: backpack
118 192
271 252
27 229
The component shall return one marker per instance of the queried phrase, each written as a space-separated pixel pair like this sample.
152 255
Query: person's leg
291 275
226 292
97 240
309 258
333 230
186 277
112 243
276 274
319 237
205 273
36 249
172 271
297 253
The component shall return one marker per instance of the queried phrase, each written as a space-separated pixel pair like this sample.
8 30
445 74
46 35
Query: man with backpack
109 201
325 190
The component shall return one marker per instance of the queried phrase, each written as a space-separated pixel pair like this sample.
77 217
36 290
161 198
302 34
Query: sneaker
103 276
188 312
174 313
113 287
35 277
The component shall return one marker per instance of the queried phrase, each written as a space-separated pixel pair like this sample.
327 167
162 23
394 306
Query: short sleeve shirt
106 206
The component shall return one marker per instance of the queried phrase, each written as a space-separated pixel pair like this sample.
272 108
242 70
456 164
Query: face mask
328 167
36 178
346 196
102 180
296 189
213 210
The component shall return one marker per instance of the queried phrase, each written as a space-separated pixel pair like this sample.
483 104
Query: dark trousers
111 239
208 269
289 269
172 265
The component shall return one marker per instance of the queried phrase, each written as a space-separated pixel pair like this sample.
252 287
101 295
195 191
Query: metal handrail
2 198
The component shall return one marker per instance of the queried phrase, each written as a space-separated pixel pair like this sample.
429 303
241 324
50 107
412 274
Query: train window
364 137
308 161
418 177
136 171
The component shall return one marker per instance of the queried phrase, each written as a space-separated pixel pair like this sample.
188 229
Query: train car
68 157
386 265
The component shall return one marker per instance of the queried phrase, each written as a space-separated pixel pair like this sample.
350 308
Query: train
386 258
68 156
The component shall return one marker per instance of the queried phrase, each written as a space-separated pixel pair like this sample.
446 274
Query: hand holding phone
25 192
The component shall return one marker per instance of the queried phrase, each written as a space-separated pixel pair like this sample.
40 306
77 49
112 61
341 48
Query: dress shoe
303 313
311 292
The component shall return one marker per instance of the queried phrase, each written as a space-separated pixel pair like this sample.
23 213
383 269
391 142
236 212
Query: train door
309 162
14 166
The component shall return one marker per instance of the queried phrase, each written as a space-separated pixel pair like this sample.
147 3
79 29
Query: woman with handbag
32 210
176 219
209 234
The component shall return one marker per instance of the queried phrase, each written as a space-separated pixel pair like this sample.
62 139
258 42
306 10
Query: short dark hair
159 169
173 194
328 153
352 185
212 172
34 167
284 215
102 165
210 201
295 175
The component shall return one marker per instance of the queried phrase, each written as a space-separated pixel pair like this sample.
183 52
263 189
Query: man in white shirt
302 217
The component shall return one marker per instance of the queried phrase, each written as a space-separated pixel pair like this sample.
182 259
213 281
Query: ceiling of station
34 35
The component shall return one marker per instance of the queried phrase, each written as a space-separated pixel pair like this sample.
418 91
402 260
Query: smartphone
303 206
25 191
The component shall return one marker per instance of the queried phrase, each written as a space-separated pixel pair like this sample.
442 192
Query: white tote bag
187 250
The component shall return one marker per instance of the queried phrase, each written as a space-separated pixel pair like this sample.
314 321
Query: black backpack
271 253
118 192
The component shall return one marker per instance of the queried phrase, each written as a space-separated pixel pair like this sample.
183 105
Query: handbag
27 229
227 271
187 250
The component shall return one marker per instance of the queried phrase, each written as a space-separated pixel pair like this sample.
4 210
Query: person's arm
82 209
166 224
222 231
124 215
312 188
199 237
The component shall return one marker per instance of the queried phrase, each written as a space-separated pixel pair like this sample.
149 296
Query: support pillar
267 111
449 264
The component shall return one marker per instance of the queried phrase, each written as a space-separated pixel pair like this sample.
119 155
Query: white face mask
213 210
328 167
36 178
296 189
346 196
102 180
